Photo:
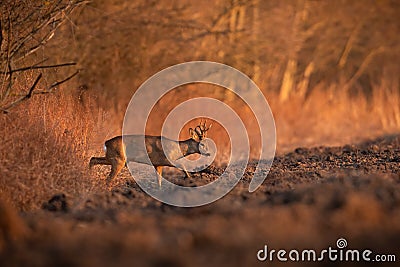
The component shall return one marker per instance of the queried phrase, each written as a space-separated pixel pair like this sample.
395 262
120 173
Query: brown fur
117 158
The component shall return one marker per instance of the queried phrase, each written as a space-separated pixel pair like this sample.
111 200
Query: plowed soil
311 198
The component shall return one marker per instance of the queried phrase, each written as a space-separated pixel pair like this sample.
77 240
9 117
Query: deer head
200 131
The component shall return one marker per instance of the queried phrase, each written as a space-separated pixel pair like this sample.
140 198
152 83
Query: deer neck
189 147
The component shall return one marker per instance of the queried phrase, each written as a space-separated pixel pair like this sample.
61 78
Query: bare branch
364 65
1 34
349 44
7 108
25 30
49 89
8 62
63 81
39 67
25 97
61 12
33 86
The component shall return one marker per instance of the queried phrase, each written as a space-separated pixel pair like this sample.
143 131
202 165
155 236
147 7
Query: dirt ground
311 198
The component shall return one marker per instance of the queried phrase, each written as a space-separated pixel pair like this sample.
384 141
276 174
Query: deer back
152 149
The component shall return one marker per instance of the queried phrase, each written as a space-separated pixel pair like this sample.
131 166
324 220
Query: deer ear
209 127
193 134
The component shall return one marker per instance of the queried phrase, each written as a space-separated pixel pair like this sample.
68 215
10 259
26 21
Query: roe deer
117 158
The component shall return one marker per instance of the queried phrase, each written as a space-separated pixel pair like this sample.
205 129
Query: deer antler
202 129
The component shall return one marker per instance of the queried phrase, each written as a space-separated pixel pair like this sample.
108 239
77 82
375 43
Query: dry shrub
331 116
45 149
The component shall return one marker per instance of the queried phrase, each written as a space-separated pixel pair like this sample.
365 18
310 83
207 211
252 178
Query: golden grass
45 148
48 140
333 117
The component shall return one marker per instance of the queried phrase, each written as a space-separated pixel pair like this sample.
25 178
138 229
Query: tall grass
45 147
48 140
335 116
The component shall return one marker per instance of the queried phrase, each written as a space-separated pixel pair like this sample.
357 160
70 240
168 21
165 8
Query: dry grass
331 116
45 148
48 140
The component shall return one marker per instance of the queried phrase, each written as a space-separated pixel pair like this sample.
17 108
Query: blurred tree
288 47
25 28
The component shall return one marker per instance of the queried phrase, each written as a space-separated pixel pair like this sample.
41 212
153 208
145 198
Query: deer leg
187 175
159 174
98 161
116 167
